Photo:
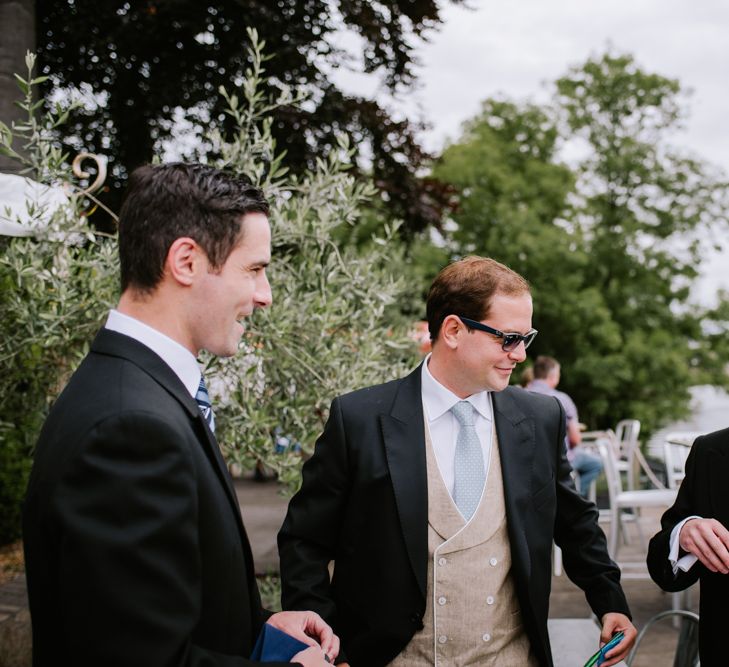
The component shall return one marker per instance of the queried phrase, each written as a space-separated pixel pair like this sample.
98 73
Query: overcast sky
518 48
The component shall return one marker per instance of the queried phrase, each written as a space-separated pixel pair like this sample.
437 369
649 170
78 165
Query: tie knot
464 413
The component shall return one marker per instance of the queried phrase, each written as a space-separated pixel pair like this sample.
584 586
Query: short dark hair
543 366
169 201
466 288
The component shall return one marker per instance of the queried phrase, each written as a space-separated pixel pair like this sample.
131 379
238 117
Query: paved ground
263 509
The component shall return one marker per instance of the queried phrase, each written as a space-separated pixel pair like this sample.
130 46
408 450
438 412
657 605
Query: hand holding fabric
308 627
612 623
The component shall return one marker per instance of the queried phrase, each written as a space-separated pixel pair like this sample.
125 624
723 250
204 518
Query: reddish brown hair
466 288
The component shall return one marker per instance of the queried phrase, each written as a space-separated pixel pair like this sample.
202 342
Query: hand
612 623
311 657
708 540
308 627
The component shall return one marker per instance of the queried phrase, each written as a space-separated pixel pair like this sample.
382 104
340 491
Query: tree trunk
17 35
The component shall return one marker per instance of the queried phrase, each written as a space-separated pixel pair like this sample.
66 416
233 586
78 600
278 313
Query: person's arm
308 538
588 564
660 567
574 435
584 547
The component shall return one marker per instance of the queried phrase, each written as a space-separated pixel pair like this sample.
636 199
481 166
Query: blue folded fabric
274 645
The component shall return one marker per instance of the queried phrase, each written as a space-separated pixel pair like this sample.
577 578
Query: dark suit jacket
135 549
364 504
704 492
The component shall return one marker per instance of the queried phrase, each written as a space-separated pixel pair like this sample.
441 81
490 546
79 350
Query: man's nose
518 354
263 296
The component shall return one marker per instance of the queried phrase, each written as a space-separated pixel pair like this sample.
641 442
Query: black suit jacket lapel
115 344
404 439
515 432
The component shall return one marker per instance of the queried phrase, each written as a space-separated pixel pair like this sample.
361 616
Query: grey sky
518 48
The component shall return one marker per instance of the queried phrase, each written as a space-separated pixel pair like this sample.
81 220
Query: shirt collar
437 399
176 356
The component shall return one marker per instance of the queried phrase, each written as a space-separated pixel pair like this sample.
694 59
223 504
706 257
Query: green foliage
143 63
14 470
647 212
40 155
504 167
610 247
269 587
330 330
54 289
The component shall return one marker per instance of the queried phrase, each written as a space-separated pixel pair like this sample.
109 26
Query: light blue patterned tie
469 469
203 400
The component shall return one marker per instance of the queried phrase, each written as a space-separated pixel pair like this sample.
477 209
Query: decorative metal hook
100 162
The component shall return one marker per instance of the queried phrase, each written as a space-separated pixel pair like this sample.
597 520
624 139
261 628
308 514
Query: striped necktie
203 400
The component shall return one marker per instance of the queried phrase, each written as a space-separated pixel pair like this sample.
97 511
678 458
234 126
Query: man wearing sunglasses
437 497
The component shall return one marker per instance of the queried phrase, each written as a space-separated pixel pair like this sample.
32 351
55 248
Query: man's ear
185 258
450 330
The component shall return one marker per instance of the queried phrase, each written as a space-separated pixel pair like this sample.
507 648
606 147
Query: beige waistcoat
472 614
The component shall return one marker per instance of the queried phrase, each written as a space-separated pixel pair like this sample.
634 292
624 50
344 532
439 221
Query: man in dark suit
440 528
693 543
135 549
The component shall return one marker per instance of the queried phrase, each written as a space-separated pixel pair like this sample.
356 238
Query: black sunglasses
510 341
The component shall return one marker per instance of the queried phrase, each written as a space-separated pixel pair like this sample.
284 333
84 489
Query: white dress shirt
444 427
176 356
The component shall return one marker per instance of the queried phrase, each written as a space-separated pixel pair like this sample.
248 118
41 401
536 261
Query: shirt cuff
685 563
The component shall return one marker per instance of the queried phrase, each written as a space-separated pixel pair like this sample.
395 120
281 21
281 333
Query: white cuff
686 562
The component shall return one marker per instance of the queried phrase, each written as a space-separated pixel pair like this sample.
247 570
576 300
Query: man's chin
500 380
227 348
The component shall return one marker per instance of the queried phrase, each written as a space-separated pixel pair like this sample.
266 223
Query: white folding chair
620 500
676 448
626 438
